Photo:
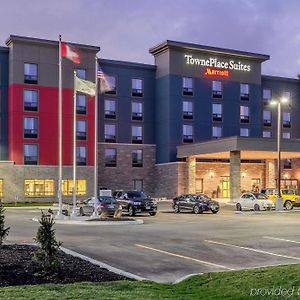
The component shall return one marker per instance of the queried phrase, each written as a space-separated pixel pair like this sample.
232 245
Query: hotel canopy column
191 174
235 175
270 173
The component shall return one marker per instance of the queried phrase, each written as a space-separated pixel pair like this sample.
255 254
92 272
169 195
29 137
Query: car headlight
136 203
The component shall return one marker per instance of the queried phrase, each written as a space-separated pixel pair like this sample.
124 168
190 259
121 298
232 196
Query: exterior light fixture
211 174
243 175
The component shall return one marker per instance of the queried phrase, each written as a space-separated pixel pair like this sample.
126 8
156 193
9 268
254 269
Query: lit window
188 133
137 111
217 89
286 119
30 73
30 127
81 104
217 112
216 132
267 134
81 155
286 135
81 73
137 87
187 86
81 130
244 132
68 185
30 100
187 110
110 109
112 83
267 118
30 154
244 91
137 134
138 185
110 133
110 157
137 158
39 187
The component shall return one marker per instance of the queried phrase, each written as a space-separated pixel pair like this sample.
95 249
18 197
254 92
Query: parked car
254 201
198 203
103 204
134 202
289 196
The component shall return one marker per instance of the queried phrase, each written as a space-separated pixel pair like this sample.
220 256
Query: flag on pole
85 86
104 84
70 53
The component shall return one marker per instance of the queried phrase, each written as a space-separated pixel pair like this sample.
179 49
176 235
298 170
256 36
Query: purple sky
126 29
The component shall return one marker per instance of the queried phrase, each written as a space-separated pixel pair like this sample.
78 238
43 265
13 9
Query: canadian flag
70 53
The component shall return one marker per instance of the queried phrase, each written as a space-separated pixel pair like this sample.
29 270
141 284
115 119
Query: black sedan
198 203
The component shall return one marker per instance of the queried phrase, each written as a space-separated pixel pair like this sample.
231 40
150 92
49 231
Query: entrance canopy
250 148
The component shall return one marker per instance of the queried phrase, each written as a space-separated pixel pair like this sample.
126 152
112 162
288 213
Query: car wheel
152 213
214 211
131 211
176 208
196 209
256 207
81 213
288 205
238 207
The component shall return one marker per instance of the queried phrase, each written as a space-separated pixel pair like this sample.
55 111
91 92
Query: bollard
279 204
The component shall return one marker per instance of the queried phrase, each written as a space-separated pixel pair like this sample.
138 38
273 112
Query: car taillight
103 204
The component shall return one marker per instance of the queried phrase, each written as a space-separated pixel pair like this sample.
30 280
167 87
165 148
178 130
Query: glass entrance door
225 186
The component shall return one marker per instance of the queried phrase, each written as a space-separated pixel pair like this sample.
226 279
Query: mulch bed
18 268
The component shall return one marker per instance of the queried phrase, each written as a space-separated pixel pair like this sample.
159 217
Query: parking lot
170 246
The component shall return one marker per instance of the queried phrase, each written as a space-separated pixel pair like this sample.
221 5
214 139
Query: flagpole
96 132
59 194
74 212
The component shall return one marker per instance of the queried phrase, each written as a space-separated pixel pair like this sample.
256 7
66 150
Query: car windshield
260 196
287 192
137 195
106 199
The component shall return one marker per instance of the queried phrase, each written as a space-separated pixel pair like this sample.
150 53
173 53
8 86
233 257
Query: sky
126 29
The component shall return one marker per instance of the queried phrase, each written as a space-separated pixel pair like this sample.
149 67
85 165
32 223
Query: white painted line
253 250
184 257
279 239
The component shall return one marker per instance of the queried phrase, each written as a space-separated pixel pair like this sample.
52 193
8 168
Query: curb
267 212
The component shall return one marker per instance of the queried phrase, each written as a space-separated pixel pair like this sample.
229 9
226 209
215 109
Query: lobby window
137 158
244 132
39 187
110 157
244 114
138 185
217 89
1 187
188 133
217 112
267 118
30 127
187 110
112 82
81 104
244 92
287 164
110 133
30 100
137 134
30 73
216 132
286 120
110 111
267 134
81 129
187 86
136 87
30 154
81 155
137 111
81 73
286 135
68 185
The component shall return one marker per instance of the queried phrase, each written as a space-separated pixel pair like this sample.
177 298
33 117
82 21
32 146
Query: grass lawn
225 285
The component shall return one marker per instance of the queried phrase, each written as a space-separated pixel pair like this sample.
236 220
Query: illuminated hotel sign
216 72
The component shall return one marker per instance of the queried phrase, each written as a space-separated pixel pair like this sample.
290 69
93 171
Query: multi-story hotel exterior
198 120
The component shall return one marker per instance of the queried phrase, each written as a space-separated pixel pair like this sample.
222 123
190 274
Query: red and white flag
70 52
104 81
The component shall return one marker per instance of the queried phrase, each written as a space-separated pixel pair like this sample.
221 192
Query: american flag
104 82
100 74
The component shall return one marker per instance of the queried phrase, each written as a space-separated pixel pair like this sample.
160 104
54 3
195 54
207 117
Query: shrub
47 254
3 231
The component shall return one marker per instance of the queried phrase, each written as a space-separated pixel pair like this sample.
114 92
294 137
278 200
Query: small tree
47 254
3 231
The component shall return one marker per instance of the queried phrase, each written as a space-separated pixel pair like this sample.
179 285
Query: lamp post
279 205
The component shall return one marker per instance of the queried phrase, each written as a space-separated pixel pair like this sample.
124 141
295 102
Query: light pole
283 100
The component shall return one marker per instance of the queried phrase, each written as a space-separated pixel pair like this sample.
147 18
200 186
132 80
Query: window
187 86
110 157
267 134
188 133
30 127
286 120
187 110
81 132
81 155
244 132
138 185
217 89
1 185
244 91
287 164
81 73
30 154
216 132
137 111
217 112
110 109
68 185
112 83
137 134
267 118
30 100
80 104
244 114
110 133
267 94
30 73
287 95
39 187
137 158
286 135
137 87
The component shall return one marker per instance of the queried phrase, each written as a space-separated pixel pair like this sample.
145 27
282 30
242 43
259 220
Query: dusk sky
126 29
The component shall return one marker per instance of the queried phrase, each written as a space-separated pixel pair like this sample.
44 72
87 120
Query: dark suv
135 202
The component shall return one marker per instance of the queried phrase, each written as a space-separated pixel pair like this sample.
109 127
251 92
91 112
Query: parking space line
253 250
279 239
184 257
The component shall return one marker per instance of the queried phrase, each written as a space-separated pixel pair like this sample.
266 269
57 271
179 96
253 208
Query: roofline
190 46
126 63
279 78
13 38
